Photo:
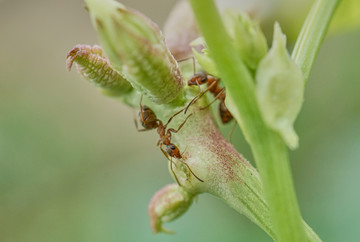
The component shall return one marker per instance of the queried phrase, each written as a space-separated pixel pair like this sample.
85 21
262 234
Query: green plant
139 63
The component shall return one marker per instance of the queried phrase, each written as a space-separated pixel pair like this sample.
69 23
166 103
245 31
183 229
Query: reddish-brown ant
149 121
212 82
213 87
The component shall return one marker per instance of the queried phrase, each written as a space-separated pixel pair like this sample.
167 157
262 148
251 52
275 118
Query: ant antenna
141 98
187 58
186 164
216 97
171 165
184 150
135 121
201 94
173 172
231 131
177 113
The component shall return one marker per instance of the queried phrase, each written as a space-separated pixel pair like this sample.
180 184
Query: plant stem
225 172
268 148
312 34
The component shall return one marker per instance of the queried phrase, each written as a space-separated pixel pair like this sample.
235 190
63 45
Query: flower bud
280 88
136 47
203 57
168 204
180 29
94 67
247 37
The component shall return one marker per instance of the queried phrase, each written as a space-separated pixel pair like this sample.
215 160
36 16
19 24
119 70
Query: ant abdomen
225 114
148 118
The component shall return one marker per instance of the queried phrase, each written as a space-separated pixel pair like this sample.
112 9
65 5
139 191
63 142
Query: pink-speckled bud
180 30
168 204
136 47
96 68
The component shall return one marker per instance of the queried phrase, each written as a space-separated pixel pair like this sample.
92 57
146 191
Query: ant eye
172 147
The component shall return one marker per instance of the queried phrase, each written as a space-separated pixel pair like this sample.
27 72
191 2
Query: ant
212 82
149 121
213 87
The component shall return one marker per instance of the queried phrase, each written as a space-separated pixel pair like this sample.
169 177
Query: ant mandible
149 121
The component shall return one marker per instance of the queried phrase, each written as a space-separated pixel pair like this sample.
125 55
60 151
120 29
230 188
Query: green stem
269 150
312 34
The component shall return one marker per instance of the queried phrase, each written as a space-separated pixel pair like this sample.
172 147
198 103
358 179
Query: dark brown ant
213 87
149 121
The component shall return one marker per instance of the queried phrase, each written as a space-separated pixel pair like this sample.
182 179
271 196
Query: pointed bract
280 88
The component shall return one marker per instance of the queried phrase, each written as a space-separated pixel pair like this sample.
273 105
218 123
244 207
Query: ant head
173 151
198 78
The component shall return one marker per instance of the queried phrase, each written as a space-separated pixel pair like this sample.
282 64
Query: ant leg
191 170
159 143
135 121
173 172
136 125
141 110
216 97
166 155
142 117
200 95
141 130
177 113
194 65
231 131
198 84
171 165
182 153
187 58
168 132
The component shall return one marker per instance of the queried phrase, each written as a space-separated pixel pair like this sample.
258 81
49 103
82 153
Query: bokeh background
74 168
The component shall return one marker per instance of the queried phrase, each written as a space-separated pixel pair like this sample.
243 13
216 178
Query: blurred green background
74 168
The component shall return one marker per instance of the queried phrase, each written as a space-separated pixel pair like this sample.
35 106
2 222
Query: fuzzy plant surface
264 93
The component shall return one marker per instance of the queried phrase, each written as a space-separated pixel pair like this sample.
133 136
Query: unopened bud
94 67
203 57
136 47
168 204
248 40
247 37
280 88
